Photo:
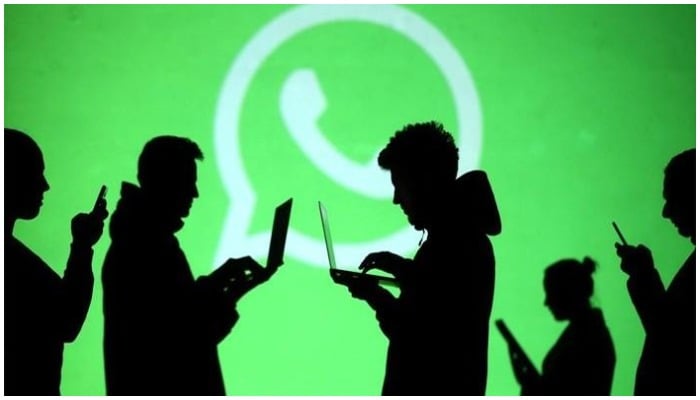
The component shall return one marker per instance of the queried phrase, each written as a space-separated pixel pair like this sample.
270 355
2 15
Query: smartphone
101 195
622 238
505 332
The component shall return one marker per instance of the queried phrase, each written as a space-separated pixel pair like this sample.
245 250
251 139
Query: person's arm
385 305
646 291
219 292
78 279
76 291
217 311
644 283
387 310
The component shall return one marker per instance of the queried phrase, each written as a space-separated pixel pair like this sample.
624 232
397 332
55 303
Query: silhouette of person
42 310
438 326
667 364
162 326
582 361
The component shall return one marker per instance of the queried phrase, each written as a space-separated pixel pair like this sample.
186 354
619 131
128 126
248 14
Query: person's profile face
185 190
408 198
679 207
27 186
554 300
176 192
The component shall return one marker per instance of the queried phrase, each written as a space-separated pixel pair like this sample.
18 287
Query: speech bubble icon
365 179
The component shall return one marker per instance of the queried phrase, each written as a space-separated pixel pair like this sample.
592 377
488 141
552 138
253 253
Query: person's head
167 173
422 159
679 193
25 182
568 286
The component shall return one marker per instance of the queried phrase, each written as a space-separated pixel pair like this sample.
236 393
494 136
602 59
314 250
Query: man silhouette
439 325
42 310
162 326
667 364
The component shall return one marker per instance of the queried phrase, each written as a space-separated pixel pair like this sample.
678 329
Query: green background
582 108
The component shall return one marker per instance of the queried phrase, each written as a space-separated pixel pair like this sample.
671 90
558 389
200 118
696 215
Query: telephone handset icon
302 102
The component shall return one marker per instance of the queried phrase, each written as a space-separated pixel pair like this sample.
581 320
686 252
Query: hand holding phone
633 259
100 198
87 228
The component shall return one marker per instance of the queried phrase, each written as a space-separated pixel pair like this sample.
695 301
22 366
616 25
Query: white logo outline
234 240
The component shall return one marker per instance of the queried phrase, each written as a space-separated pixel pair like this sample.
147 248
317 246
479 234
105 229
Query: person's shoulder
22 263
686 273
17 252
690 261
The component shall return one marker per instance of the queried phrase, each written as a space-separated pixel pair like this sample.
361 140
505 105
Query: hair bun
589 266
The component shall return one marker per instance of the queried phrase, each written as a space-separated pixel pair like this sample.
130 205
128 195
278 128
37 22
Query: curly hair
423 149
573 277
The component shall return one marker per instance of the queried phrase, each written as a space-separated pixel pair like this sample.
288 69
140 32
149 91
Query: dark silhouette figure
582 361
162 326
42 310
667 364
438 327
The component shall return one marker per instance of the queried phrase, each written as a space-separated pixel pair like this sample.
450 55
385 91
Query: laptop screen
327 234
275 256
341 275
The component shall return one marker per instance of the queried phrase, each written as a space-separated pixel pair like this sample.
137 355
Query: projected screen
574 111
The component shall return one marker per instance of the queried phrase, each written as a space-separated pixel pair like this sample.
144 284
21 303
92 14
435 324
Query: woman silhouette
43 310
582 361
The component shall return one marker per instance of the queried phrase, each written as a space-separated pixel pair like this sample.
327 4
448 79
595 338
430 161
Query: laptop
344 276
275 255
280 226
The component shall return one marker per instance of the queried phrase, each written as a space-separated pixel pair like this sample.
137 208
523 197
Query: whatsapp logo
307 105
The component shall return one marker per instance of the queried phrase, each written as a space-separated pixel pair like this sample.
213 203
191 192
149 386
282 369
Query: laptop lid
327 235
280 226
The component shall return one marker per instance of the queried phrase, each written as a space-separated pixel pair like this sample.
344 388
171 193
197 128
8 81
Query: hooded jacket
438 328
161 326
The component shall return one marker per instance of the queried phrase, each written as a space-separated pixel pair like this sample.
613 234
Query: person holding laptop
438 327
162 326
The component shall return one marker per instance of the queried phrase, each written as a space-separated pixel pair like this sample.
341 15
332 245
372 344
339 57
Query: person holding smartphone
582 361
667 363
43 310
